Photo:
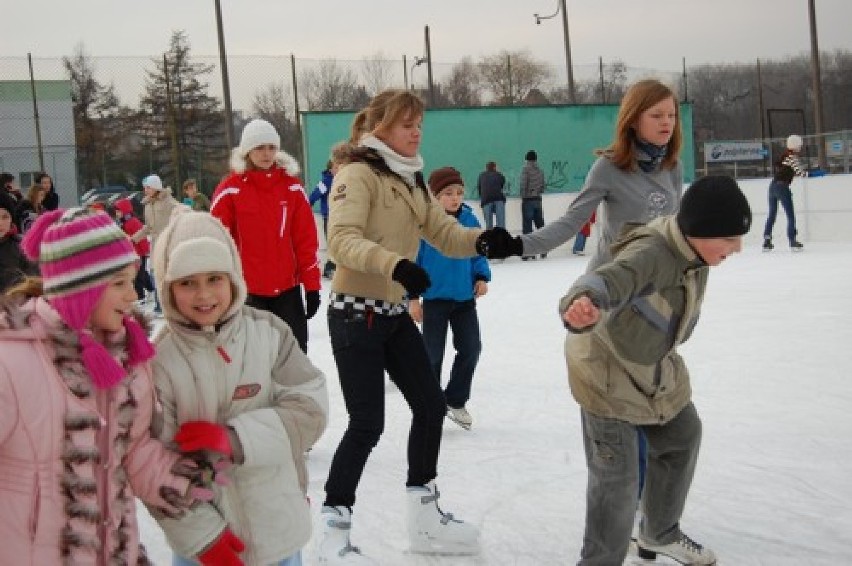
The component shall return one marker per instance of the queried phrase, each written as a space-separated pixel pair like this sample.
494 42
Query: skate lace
445 517
690 544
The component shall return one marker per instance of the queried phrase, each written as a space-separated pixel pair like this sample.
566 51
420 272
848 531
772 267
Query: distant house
18 145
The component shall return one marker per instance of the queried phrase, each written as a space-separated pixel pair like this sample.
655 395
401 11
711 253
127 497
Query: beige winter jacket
627 366
375 220
158 211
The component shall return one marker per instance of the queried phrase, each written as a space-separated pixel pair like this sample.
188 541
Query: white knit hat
153 182
794 142
256 133
195 242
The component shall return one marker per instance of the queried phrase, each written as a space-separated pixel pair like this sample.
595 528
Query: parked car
107 196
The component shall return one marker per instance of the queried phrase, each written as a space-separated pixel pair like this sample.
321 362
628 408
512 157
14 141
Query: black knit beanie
442 178
532 155
7 202
714 207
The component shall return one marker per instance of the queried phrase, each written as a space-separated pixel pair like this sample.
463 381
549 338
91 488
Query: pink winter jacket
72 457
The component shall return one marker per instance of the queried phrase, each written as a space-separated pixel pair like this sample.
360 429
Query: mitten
224 551
498 243
312 303
411 276
193 436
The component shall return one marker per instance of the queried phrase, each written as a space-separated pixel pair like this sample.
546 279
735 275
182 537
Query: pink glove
224 551
194 436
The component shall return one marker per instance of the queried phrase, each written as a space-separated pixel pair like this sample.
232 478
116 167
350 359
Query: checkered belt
340 301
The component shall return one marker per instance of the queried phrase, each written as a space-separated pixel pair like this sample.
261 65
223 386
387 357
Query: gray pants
612 456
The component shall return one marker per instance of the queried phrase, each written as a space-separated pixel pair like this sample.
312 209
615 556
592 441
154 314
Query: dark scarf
649 156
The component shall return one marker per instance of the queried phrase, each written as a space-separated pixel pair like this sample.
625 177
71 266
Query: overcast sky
653 34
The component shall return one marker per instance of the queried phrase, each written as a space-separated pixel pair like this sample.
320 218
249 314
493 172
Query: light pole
226 84
817 86
569 68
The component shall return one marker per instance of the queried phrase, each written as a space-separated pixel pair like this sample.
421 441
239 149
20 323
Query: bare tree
271 104
510 76
378 73
462 87
332 87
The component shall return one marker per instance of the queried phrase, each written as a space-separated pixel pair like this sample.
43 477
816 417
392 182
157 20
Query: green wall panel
564 137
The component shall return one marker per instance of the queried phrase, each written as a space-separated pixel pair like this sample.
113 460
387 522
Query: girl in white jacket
240 396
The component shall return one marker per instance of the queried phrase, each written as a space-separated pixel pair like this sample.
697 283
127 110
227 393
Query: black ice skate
767 244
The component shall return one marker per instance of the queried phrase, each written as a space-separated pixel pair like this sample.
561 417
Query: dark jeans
612 456
531 213
438 315
494 209
329 266
287 306
779 191
143 282
579 243
365 345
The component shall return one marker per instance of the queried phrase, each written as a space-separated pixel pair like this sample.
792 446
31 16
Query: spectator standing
786 169
8 181
451 299
239 394
30 208
194 198
51 199
264 206
532 186
490 186
14 266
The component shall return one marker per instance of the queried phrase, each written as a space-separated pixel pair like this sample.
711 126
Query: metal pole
817 87
762 121
685 81
405 72
301 147
603 88
569 68
35 115
226 83
429 69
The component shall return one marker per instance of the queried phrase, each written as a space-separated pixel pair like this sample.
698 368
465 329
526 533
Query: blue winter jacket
453 278
320 192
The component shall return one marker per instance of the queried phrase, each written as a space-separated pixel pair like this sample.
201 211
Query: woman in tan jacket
380 208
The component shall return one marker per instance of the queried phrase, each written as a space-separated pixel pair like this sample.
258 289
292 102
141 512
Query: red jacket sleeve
305 242
222 207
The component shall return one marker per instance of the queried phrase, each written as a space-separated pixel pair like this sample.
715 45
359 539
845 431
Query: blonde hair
29 288
638 98
32 193
384 111
189 182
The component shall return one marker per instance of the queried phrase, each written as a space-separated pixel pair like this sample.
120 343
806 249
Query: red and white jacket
268 215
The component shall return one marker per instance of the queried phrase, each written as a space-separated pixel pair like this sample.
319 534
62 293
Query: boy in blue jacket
451 299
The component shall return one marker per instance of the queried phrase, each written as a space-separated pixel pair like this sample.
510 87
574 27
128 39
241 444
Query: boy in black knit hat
625 320
13 265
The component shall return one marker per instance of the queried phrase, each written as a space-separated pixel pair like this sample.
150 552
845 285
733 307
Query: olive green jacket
375 220
627 366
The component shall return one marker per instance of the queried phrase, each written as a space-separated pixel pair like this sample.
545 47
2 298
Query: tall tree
182 122
377 71
330 86
511 75
98 123
463 88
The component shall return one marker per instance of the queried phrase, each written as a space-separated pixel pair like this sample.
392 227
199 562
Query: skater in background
786 168
193 198
450 301
239 395
30 207
131 225
532 185
263 205
627 318
320 193
490 186
581 237
380 209
77 401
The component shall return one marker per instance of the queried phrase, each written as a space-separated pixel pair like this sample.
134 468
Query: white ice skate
333 546
684 550
431 531
460 416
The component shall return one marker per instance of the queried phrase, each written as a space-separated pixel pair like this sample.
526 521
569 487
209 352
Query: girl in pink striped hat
76 403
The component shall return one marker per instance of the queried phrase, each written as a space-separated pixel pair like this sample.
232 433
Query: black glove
411 276
312 303
498 243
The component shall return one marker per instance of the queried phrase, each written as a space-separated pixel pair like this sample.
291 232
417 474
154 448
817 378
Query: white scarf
405 167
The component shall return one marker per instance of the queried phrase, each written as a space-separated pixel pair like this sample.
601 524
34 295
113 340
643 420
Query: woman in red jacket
131 224
264 206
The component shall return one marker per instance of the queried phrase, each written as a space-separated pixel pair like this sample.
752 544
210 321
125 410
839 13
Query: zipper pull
224 354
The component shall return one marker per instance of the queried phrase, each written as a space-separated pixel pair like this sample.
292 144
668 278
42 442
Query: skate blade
461 424
438 548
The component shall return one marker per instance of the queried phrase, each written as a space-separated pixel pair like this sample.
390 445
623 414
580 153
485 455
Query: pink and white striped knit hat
78 251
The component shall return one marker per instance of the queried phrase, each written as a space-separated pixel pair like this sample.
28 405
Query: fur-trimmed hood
282 159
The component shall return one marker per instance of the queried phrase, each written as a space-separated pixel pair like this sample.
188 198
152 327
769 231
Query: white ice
770 364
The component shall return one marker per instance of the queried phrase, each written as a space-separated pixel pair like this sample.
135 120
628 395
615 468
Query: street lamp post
817 86
569 68
226 84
